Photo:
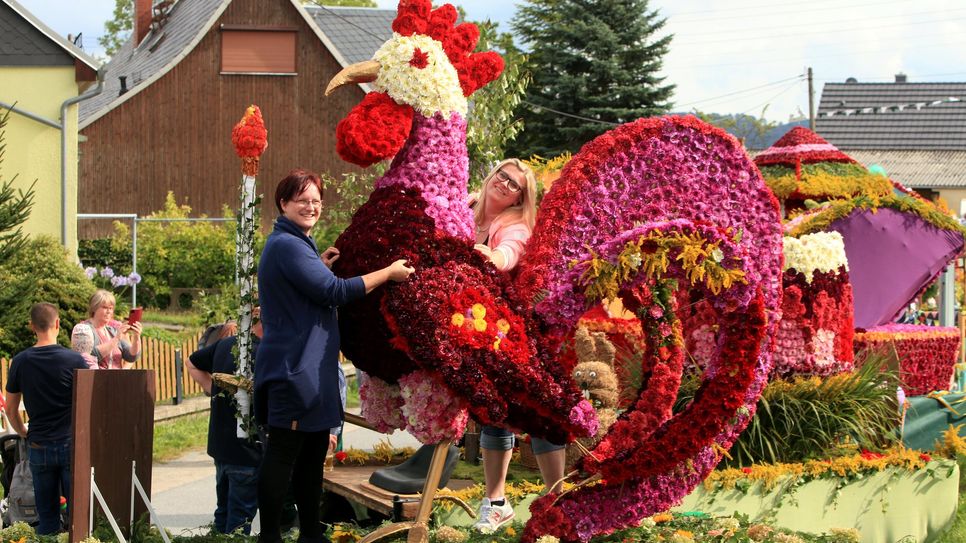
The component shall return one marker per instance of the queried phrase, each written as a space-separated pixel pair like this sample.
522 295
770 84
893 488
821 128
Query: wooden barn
191 67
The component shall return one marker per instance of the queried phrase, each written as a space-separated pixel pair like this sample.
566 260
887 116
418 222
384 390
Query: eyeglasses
308 203
510 182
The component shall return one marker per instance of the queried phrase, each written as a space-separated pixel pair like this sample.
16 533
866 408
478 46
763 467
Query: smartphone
135 315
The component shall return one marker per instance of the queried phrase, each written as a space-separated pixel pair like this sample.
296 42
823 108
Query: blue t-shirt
223 443
45 377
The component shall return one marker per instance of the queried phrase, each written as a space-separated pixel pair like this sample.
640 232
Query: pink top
117 357
510 238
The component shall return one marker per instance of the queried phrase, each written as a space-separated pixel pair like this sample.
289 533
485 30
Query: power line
768 101
714 17
797 78
347 21
804 60
820 32
762 6
537 108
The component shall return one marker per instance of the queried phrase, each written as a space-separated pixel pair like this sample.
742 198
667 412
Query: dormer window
252 50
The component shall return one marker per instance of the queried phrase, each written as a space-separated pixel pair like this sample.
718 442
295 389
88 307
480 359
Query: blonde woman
117 345
504 213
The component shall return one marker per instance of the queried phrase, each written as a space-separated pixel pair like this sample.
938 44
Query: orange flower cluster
250 139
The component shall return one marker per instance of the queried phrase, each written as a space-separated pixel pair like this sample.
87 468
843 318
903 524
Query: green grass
352 393
189 319
172 438
957 533
516 473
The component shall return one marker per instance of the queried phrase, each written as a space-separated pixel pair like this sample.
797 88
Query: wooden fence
158 356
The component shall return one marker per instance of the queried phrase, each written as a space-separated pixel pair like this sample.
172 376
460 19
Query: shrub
177 254
42 272
351 192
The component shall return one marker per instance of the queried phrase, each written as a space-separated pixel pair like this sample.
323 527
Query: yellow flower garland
770 475
700 260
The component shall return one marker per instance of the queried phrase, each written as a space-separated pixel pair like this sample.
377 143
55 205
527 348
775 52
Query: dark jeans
50 467
296 457
237 490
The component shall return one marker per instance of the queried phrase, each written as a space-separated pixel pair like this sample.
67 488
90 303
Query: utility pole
811 101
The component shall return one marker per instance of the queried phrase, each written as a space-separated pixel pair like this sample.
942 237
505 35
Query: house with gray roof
915 131
174 91
42 77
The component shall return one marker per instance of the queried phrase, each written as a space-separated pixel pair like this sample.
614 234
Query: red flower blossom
341 456
250 139
420 59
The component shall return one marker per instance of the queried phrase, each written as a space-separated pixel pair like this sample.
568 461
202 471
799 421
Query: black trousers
297 458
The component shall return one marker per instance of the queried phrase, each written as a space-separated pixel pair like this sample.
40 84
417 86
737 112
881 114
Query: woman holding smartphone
117 345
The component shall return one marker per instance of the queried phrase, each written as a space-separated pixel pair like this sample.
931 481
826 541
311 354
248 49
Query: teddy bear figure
594 374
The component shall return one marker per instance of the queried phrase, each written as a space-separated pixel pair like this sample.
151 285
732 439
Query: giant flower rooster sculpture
649 208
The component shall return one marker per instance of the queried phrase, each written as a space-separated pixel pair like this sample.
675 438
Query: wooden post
113 426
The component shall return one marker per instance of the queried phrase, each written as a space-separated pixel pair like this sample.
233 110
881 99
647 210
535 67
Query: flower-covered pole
250 139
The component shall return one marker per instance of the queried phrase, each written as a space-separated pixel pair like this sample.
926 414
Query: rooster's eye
420 59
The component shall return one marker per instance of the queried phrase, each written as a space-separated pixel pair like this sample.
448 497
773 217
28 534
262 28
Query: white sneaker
492 517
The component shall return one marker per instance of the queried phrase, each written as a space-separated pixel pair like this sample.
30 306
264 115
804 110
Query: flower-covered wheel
650 208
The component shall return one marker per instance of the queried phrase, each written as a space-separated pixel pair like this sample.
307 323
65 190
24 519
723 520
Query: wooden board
113 426
352 483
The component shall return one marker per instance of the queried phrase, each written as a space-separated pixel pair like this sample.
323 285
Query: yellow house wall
33 149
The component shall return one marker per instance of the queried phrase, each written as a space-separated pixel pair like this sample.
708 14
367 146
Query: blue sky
732 56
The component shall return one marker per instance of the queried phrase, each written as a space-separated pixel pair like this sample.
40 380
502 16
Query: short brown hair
294 184
43 316
99 298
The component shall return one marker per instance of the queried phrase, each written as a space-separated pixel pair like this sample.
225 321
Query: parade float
616 224
895 242
664 214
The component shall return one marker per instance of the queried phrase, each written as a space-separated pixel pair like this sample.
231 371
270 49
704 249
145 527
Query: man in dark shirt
43 376
236 459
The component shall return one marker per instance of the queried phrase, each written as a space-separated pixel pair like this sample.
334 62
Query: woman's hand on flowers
329 256
399 271
484 250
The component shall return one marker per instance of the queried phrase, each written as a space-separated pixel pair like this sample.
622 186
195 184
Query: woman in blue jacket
296 380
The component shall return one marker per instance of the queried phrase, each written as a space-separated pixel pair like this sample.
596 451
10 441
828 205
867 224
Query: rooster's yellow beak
361 72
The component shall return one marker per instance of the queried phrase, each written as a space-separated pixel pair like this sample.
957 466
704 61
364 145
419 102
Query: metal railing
135 219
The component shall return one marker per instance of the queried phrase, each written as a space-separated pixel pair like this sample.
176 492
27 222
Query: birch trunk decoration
250 139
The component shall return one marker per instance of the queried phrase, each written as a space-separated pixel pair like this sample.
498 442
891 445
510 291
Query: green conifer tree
594 59
15 206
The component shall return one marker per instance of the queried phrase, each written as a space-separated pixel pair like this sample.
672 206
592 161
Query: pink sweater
510 238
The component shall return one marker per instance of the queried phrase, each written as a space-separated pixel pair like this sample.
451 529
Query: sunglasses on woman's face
510 182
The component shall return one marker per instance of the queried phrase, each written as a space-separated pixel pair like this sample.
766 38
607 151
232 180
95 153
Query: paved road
183 491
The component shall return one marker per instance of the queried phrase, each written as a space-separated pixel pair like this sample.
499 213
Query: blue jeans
498 439
50 467
237 490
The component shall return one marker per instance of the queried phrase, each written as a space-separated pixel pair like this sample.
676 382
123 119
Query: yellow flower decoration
503 326
479 325
496 344
458 320
479 311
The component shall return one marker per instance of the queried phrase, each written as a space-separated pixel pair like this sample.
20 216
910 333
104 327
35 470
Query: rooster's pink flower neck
434 162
